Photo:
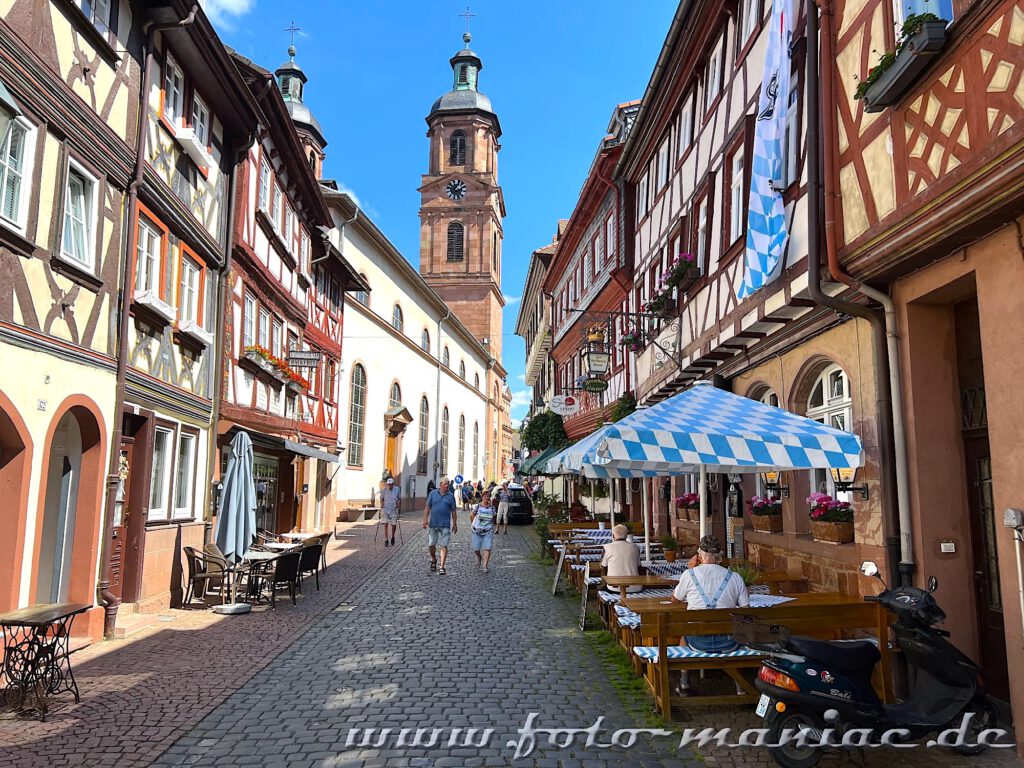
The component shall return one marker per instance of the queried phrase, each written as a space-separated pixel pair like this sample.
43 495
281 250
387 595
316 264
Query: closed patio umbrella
236 519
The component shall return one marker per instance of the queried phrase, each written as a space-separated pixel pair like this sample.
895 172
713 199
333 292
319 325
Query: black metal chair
309 562
284 574
202 570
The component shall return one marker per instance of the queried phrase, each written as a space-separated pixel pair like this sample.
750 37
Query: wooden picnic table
623 582
641 604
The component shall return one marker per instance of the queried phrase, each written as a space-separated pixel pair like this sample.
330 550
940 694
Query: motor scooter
823 688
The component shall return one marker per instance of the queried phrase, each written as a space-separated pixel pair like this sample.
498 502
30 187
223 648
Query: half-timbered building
70 78
686 166
282 322
927 171
199 118
533 325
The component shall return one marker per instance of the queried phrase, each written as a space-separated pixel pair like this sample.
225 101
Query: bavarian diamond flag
766 216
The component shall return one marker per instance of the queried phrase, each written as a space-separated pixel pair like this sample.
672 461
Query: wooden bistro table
37 663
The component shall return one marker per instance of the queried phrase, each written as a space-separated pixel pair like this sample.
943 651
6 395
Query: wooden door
991 633
119 529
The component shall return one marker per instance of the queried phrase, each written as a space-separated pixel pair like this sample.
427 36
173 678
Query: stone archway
70 504
15 476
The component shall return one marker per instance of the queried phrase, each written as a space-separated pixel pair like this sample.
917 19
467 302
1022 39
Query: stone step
129 624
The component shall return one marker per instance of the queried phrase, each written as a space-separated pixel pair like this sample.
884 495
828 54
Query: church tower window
456 244
457 148
463 73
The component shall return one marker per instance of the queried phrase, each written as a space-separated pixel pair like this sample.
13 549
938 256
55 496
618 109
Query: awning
535 464
277 443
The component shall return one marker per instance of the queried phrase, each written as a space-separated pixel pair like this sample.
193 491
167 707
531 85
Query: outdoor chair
309 561
324 538
284 574
200 574
265 537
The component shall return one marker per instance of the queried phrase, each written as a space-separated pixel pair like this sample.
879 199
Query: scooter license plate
762 705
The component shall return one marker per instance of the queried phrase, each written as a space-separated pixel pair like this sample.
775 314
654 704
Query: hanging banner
767 233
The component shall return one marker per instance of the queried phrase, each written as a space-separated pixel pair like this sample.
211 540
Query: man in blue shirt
440 519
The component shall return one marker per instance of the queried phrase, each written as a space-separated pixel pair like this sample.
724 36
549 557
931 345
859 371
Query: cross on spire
292 29
467 15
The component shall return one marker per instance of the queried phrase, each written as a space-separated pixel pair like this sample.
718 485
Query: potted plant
921 38
690 503
831 520
747 571
765 513
669 544
682 272
633 341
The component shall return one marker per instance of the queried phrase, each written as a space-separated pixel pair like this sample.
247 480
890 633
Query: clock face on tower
456 189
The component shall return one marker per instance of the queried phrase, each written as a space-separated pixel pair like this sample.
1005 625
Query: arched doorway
15 461
69 519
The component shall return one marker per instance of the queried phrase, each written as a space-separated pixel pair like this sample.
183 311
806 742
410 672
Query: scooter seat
858 656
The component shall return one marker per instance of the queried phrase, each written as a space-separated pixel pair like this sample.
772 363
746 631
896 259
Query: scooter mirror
933 583
868 568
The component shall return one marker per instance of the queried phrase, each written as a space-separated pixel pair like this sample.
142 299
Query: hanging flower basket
688 506
921 38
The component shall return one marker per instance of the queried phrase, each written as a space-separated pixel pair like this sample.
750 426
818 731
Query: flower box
688 280
294 386
767 523
913 56
257 361
832 533
156 306
196 332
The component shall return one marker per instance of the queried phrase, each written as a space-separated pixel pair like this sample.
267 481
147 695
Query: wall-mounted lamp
844 478
770 480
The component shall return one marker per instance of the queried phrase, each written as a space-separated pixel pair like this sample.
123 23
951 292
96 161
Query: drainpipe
437 400
890 512
831 194
106 598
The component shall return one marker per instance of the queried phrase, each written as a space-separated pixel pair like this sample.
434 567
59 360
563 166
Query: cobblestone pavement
414 649
141 694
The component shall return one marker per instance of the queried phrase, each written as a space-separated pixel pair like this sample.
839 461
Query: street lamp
843 478
596 357
770 480
9 112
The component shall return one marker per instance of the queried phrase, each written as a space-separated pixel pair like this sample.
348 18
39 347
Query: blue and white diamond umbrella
708 428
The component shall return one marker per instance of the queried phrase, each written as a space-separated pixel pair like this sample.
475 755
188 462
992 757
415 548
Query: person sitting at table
621 557
709 585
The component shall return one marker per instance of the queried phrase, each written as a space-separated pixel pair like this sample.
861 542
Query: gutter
831 194
890 511
106 598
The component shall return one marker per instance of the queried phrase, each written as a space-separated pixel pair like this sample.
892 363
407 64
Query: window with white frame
663 160
736 188
749 19
609 239
174 92
276 336
702 232
78 239
149 252
713 79
831 403
160 474
425 340
685 126
264 198
249 322
201 120
791 139
184 475
356 416
303 250
288 222
641 197
598 251
423 438
275 214
16 173
264 329
188 299
98 12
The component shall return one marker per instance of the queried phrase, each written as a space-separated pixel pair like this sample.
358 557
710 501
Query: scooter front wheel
783 730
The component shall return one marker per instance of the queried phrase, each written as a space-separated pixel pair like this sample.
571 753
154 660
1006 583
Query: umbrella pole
703 501
593 501
611 496
647 524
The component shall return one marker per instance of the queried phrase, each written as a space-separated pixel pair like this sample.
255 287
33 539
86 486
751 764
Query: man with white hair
621 557
440 517
390 499
709 585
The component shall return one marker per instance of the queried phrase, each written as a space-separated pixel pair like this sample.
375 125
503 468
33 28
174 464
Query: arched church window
456 241
476 380
446 358
444 441
425 340
396 395
462 369
457 148
421 461
397 320
356 414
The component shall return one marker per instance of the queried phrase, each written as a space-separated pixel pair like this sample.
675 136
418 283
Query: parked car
520 507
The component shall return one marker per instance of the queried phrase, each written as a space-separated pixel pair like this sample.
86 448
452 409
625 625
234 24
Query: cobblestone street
384 644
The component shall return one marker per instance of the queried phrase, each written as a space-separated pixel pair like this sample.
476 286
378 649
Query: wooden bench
827 616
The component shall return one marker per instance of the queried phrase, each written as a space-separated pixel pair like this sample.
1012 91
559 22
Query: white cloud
510 300
347 190
516 423
521 376
223 13
521 399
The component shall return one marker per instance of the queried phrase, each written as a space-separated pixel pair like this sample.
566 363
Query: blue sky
553 70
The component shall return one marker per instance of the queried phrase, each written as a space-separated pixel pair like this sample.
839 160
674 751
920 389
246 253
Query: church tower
292 82
462 207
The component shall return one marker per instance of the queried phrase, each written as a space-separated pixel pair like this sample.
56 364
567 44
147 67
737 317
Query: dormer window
457 148
463 73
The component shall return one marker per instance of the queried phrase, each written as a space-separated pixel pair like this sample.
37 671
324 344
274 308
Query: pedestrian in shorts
390 500
501 495
441 518
481 521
